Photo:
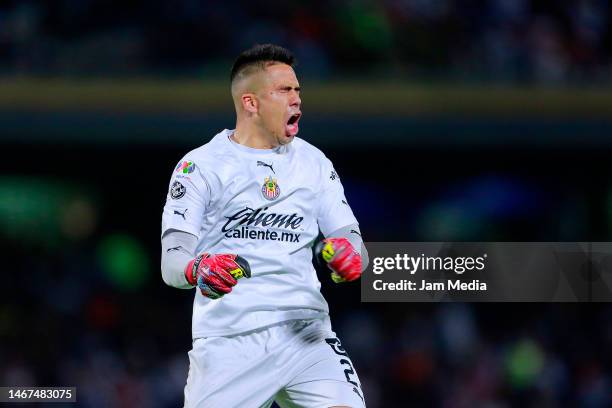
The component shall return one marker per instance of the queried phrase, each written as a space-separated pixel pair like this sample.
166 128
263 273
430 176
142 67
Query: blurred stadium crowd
527 41
127 348
83 302
122 351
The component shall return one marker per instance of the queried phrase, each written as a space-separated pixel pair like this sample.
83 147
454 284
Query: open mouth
292 127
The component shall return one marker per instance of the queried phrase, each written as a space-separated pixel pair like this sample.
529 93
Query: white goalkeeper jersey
268 207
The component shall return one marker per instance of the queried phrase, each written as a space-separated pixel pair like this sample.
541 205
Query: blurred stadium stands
512 41
447 120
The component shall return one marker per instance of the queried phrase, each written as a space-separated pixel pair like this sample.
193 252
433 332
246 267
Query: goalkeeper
241 217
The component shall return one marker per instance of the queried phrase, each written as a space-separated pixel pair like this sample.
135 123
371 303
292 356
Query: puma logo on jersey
260 163
355 232
182 214
173 249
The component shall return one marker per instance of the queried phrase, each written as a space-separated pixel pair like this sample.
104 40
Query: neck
253 136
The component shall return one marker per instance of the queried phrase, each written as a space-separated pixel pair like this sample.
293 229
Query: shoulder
209 156
208 163
214 148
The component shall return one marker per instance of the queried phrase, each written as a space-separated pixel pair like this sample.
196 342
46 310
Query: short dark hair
259 56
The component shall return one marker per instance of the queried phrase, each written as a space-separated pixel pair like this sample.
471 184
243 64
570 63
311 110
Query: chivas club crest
270 189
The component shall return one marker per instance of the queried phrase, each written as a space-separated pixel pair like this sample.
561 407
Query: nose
296 101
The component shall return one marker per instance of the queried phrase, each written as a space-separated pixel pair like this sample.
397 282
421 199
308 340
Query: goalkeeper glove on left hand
215 275
340 256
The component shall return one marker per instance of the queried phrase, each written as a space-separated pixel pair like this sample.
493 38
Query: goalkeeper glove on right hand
215 275
340 256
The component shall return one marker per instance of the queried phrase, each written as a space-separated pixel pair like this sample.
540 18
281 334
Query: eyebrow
287 87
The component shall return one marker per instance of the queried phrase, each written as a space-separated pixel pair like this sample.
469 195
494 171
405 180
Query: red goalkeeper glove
215 275
340 256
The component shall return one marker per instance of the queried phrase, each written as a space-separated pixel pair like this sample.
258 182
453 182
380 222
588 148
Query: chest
268 194
282 184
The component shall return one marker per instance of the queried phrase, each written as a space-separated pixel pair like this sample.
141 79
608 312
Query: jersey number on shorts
335 344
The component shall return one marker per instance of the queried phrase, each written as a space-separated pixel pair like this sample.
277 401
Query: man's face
279 103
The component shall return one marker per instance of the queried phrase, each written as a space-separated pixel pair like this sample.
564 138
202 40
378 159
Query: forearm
178 249
352 233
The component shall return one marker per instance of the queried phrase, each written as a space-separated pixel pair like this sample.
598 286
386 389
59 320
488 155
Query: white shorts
297 364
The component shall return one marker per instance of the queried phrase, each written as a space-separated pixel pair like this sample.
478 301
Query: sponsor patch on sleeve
177 190
185 167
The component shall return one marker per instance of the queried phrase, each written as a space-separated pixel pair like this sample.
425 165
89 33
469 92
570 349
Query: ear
249 102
